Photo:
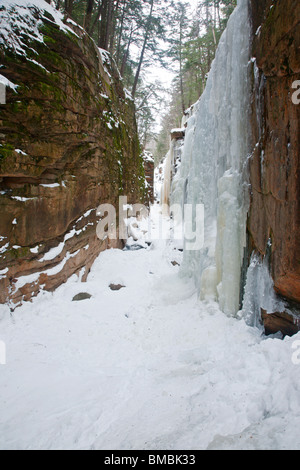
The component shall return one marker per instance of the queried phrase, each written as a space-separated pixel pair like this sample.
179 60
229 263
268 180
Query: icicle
259 292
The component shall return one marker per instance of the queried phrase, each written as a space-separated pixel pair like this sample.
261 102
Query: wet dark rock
81 296
284 322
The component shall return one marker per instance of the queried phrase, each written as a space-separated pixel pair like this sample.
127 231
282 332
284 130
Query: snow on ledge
8 83
21 16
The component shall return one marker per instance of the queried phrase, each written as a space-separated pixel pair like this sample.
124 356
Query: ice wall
259 291
167 168
213 171
170 167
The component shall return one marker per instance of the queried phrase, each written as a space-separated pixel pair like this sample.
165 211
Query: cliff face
68 142
274 168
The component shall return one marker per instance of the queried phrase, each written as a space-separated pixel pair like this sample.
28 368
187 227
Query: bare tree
146 38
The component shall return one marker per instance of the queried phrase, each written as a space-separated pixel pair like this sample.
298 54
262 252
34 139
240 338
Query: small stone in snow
116 286
81 296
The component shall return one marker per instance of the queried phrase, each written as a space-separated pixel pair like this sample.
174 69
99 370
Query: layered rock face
68 143
274 167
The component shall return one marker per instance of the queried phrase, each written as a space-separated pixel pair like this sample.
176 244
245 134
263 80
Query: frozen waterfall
213 170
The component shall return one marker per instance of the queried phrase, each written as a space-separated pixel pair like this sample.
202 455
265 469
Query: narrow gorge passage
149 279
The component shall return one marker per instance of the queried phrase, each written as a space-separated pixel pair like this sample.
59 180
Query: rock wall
149 175
274 167
68 142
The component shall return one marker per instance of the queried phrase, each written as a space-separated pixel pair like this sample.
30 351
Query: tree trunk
69 7
126 54
120 33
105 24
137 75
109 31
97 18
209 59
180 63
115 10
218 13
89 12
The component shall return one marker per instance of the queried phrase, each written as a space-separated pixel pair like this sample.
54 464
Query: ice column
213 169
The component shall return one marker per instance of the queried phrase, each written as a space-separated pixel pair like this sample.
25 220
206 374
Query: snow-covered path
145 367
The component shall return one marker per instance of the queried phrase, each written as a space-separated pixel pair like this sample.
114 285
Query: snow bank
147 367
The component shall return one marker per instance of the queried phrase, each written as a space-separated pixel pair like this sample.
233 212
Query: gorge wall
274 215
68 142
